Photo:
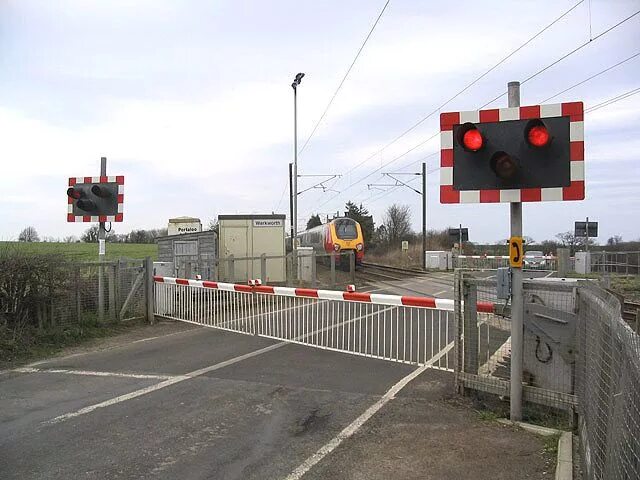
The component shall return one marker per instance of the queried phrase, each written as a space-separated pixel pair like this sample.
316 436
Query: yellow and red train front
344 234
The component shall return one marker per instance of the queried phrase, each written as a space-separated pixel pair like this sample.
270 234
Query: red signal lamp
537 134
74 193
472 140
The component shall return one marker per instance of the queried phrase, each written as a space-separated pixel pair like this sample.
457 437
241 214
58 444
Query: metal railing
376 326
491 262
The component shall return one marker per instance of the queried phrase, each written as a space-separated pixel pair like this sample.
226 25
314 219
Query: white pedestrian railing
411 330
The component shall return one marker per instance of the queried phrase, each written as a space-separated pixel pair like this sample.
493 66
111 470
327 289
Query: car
534 259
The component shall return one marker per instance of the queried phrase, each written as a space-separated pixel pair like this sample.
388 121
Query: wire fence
74 293
608 388
626 263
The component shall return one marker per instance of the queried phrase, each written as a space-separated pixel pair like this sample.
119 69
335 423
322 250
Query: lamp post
294 213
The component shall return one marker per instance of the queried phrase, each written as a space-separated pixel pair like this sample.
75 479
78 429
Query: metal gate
413 330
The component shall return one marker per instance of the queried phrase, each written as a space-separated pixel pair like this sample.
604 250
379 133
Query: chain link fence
608 388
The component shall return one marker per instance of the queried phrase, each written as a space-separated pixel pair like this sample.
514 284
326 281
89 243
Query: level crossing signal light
533 153
95 199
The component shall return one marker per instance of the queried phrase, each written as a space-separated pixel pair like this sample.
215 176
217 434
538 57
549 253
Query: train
339 235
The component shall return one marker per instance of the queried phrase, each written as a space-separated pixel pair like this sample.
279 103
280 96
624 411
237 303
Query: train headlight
359 247
336 247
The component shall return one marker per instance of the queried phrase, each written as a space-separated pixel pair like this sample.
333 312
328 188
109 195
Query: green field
87 251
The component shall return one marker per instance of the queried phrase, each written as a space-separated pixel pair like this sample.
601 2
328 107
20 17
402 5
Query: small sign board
405 245
515 252
270 222
586 229
454 233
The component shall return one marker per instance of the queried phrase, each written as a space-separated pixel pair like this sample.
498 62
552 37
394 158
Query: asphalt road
258 416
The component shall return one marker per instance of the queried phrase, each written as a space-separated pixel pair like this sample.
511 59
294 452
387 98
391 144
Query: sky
192 102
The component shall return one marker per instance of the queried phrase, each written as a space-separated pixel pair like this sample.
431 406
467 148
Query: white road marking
166 383
354 426
549 274
91 373
440 292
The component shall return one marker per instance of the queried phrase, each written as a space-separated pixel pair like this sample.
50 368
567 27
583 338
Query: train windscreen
346 229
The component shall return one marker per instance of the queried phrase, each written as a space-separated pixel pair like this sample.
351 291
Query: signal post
513 155
97 199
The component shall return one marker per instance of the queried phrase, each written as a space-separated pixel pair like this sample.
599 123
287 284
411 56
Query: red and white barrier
375 298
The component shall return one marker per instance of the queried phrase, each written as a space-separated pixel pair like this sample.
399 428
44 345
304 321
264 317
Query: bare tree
70 239
397 223
29 234
90 235
615 240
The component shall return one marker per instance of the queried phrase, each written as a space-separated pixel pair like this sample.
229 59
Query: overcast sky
192 102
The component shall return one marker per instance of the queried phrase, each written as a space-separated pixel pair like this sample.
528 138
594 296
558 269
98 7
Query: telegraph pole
517 300
424 215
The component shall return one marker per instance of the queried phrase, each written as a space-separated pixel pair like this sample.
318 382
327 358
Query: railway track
386 274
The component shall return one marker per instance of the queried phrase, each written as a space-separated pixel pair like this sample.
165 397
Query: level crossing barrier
412 330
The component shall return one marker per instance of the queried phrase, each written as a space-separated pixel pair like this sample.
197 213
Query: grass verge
87 251
34 343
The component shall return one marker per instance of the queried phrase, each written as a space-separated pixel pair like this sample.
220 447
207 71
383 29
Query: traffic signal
519 154
95 199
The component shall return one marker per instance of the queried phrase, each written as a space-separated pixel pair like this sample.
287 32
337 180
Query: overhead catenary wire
344 78
613 100
393 160
465 88
565 56
591 77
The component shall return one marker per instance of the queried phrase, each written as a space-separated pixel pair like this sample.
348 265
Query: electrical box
439 260
583 262
503 279
305 264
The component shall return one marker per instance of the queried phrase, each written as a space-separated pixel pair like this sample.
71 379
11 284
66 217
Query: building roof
184 220
252 216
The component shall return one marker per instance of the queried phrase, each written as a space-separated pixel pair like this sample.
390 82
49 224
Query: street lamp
294 194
